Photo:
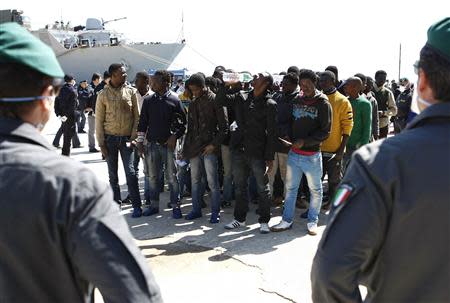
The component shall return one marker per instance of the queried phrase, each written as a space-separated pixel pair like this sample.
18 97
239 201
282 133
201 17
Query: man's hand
269 166
140 149
209 149
171 142
104 151
298 144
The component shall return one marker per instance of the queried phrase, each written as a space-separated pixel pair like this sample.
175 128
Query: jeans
81 120
59 133
116 145
155 156
280 162
228 190
242 165
91 131
311 166
184 178
209 164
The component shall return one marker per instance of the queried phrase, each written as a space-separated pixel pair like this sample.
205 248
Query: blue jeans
311 166
200 166
228 189
242 166
155 156
184 178
116 145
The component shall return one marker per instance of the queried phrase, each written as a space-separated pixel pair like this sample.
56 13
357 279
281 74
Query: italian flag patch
342 194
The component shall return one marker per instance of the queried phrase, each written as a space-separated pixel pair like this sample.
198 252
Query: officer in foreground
389 226
61 234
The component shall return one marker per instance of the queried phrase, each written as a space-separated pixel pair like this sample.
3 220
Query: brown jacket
116 113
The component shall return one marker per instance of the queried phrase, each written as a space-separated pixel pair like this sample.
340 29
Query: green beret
439 37
17 45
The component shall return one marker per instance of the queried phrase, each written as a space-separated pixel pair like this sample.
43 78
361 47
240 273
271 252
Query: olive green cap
439 37
17 45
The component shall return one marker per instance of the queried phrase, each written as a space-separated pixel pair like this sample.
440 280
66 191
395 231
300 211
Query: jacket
284 119
116 113
206 125
389 225
61 232
256 121
311 121
386 104
85 96
66 102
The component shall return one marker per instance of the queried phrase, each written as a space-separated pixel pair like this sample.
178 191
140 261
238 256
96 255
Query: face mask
416 100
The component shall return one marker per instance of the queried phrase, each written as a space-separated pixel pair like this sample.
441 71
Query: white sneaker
312 228
282 226
234 224
264 228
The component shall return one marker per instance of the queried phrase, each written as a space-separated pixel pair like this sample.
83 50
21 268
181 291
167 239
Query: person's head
262 83
363 80
161 81
289 83
353 87
142 82
118 74
327 81
334 70
218 72
405 83
96 79
369 84
433 67
212 84
197 85
307 80
293 69
380 78
106 76
30 76
83 84
69 79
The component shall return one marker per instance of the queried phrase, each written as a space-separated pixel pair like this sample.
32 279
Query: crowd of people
260 141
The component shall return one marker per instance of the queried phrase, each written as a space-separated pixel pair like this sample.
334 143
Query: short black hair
197 79
95 76
143 75
293 69
291 78
334 70
106 75
380 72
362 77
329 74
17 80
211 82
307 74
437 69
114 67
68 78
165 75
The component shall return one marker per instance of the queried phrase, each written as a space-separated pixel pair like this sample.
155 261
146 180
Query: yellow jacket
116 113
342 122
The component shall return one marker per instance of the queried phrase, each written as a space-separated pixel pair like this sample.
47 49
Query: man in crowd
368 92
253 145
207 128
362 118
57 223
68 102
90 109
333 147
386 102
84 94
162 122
116 120
403 106
311 125
285 101
389 228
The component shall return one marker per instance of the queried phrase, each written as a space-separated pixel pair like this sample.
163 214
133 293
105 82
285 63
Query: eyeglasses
416 67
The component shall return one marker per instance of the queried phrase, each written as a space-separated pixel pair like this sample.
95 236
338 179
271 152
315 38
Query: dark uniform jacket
67 101
392 232
60 231
206 125
256 119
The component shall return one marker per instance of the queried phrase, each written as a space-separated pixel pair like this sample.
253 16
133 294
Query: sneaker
234 224
176 213
304 215
193 215
215 218
82 131
56 146
312 228
93 150
127 200
264 228
282 226
149 211
137 212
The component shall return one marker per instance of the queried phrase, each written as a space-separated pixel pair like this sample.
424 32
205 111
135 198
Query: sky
356 36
